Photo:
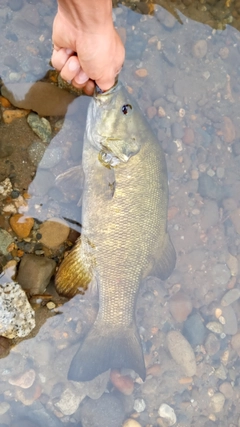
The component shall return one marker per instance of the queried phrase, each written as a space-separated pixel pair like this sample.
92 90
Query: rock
104 412
17 319
151 112
194 330
35 273
208 188
141 72
9 116
44 98
230 297
21 225
235 342
130 422
5 187
210 214
236 148
232 263
215 327
200 48
35 152
5 346
180 306
235 217
188 137
12 63
227 390
40 126
24 380
15 5
177 130
230 326
220 274
165 411
123 383
69 402
182 352
139 405
217 402
5 240
221 373
54 232
4 407
51 158
212 344
228 129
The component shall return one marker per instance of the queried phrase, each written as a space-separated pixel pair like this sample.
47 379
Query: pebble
5 187
130 422
44 98
230 297
5 240
17 318
188 137
139 405
151 112
232 263
194 330
123 383
177 130
235 217
9 116
208 188
54 232
40 126
180 306
51 305
69 402
35 273
182 352
212 344
220 172
209 214
165 411
220 274
51 158
227 390
235 342
200 49
217 402
24 380
4 407
141 72
5 149
15 5
21 225
4 102
107 411
215 327
11 62
230 326
221 373
228 129
35 152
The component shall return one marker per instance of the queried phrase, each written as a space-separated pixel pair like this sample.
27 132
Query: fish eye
126 108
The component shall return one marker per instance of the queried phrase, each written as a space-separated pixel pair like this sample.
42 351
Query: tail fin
107 348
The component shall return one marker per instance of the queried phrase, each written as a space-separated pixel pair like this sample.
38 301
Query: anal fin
74 273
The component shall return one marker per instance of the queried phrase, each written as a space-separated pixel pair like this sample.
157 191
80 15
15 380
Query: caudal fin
107 348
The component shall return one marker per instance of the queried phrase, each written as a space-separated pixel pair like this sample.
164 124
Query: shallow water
182 66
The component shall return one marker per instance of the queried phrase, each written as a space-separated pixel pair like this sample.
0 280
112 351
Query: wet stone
227 390
130 422
24 380
54 232
180 306
221 373
215 327
212 344
11 62
236 148
35 152
235 217
15 5
177 131
21 225
194 330
40 126
69 402
4 407
104 412
165 411
208 188
229 133
51 158
4 347
217 402
230 326
182 352
5 187
230 297
35 273
139 405
5 149
5 240
200 49
232 263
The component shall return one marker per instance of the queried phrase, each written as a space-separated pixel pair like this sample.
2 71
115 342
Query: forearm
92 15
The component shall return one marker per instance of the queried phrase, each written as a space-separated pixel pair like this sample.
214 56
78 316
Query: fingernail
81 78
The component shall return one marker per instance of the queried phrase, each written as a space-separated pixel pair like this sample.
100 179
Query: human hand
86 55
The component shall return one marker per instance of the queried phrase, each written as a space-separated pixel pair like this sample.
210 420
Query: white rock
165 411
5 187
69 402
139 405
17 318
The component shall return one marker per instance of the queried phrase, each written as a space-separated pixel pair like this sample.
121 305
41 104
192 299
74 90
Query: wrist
91 16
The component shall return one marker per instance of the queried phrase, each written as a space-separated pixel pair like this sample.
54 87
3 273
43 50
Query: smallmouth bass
124 231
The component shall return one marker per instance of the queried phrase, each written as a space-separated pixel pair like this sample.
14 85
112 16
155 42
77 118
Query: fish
124 234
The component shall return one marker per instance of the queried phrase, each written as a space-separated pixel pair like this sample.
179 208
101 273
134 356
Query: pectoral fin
163 259
74 273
